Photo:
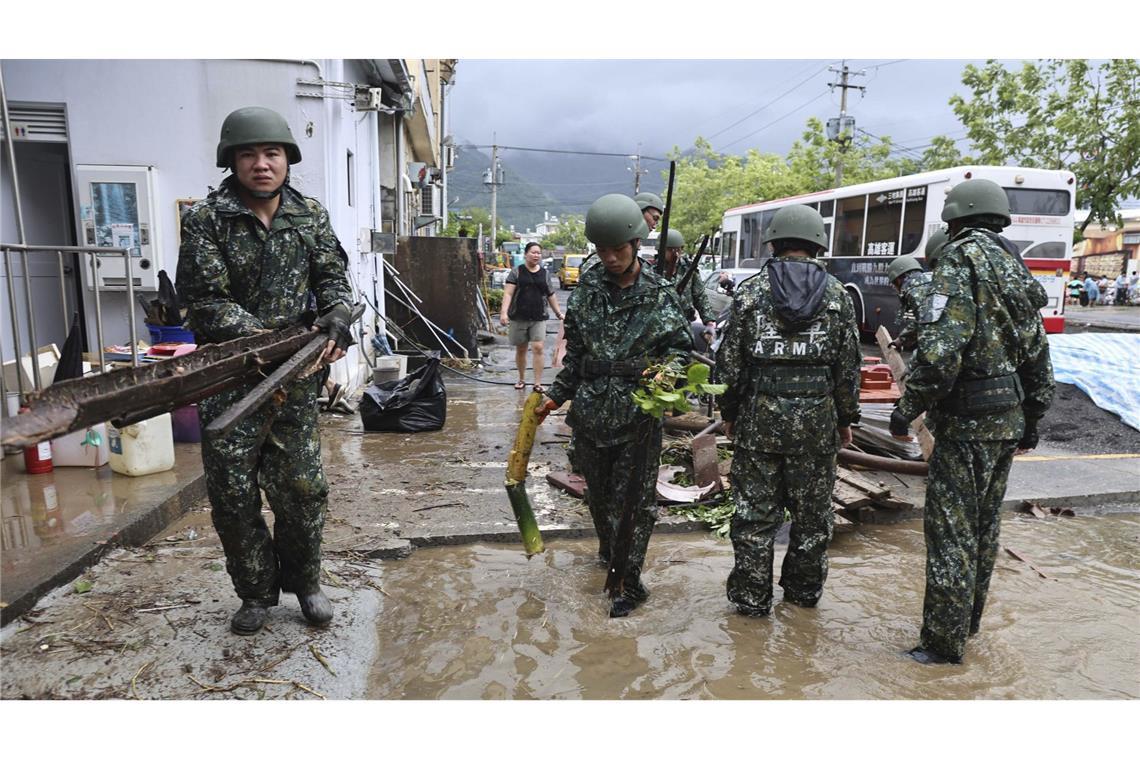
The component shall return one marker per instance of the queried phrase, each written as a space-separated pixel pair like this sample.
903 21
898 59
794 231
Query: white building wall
168 114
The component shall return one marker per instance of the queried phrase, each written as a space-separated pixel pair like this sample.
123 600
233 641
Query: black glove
900 425
1029 437
335 323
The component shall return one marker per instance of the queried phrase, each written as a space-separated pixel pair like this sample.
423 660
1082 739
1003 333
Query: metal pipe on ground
901 466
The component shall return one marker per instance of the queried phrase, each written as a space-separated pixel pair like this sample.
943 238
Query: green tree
470 219
570 232
1060 114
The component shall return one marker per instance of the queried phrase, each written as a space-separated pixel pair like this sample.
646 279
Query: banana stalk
516 476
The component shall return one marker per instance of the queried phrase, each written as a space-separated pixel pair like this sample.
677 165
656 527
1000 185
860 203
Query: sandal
539 389
520 385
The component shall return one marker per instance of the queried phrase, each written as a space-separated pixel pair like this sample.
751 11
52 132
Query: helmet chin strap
632 261
265 195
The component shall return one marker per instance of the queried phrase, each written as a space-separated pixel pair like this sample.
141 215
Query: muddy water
482 622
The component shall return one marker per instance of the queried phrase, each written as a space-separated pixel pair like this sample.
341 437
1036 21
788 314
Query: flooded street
481 622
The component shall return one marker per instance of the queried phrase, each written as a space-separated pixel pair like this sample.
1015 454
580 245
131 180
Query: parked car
720 297
568 274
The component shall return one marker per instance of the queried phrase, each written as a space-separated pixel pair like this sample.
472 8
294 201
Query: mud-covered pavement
480 621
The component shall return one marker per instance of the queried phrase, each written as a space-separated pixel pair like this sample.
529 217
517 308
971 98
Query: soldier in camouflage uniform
651 207
790 356
619 319
983 376
695 299
253 255
912 284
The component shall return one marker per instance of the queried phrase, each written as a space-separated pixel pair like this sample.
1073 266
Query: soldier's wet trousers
962 520
764 485
608 471
278 449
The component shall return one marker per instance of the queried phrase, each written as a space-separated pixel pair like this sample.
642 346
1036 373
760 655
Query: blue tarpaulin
1106 366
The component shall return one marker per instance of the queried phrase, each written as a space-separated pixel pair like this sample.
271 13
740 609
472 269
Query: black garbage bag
171 306
415 404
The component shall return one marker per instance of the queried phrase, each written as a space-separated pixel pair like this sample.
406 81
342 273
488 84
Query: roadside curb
141 528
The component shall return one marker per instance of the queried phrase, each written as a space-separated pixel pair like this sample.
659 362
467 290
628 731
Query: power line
774 121
778 98
567 152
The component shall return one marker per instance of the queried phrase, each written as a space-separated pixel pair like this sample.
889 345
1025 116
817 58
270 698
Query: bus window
1052 250
728 249
849 226
826 208
914 221
1037 202
884 214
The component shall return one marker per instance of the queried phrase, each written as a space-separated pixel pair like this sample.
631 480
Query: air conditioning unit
368 99
429 196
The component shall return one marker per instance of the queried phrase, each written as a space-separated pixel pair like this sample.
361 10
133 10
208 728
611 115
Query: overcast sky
612 105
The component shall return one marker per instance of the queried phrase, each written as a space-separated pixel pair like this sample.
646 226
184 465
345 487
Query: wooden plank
898 366
893 503
849 497
706 468
857 481
570 482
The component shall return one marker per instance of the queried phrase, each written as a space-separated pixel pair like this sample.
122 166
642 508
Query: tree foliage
570 232
469 220
1060 114
708 183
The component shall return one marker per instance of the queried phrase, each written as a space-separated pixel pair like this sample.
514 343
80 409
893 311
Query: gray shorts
523 331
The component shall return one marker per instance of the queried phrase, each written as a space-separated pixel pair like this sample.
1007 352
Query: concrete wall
168 113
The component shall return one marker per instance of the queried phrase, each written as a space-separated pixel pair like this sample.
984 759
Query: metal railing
93 254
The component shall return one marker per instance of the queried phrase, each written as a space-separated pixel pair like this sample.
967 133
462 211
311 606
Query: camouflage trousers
964 492
277 448
608 471
764 485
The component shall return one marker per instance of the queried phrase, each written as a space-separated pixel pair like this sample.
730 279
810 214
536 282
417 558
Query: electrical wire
778 98
404 337
567 152
774 121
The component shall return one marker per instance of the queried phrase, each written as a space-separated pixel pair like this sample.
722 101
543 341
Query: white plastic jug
142 448
83 448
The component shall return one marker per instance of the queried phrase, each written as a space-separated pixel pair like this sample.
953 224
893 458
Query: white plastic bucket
83 448
142 448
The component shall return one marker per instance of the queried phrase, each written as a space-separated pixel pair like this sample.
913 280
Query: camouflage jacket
236 277
603 322
978 322
695 295
790 386
915 288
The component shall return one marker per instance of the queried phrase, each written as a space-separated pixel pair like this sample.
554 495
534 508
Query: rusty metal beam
132 394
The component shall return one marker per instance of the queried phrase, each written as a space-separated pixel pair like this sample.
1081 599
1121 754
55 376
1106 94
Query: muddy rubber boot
927 657
749 611
315 606
249 619
622 607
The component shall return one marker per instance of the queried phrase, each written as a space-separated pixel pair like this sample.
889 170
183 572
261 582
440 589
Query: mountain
538 182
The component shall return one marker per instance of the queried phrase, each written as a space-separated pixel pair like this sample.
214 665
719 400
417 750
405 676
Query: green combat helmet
614 219
977 197
798 223
649 200
934 246
255 125
901 266
674 239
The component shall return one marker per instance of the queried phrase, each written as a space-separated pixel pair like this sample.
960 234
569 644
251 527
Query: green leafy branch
665 387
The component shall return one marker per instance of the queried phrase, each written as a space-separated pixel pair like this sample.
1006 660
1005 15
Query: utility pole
494 178
837 128
637 170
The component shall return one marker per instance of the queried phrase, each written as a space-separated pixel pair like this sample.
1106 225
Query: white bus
872 223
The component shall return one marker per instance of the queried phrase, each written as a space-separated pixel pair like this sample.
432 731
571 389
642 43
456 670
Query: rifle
129 395
659 263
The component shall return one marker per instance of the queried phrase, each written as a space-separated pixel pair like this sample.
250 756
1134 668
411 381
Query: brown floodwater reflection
483 622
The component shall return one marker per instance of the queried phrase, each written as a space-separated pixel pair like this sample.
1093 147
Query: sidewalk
1112 318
